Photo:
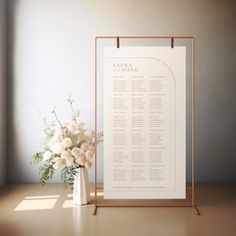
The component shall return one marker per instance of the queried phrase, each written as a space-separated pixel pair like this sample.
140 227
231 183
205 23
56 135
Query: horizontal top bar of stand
144 37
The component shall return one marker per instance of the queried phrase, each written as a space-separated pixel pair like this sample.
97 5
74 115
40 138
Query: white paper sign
144 122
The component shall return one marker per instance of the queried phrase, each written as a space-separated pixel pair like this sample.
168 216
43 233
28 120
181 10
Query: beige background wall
53 56
2 92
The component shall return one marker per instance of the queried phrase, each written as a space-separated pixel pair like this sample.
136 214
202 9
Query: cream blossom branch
74 113
59 122
45 124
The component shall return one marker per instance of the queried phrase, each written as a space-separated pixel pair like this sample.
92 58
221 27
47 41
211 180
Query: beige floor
32 210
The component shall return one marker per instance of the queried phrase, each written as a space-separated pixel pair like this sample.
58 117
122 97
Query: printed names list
140 116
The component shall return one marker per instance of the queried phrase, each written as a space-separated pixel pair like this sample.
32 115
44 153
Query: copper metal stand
192 205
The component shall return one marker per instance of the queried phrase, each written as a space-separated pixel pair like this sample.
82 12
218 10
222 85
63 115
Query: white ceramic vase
81 192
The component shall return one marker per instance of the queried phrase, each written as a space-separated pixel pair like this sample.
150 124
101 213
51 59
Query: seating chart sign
144 91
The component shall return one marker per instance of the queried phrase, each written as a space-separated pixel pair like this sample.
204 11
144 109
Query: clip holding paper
118 42
172 42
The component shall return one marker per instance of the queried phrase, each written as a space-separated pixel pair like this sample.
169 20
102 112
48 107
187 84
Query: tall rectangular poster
144 122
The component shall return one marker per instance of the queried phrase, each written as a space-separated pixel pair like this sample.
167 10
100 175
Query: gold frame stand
192 187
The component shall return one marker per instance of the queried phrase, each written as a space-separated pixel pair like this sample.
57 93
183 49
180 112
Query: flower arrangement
68 147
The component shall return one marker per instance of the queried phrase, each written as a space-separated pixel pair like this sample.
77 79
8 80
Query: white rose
65 155
59 164
68 158
67 142
47 155
81 160
57 148
89 154
85 146
88 164
75 151
70 161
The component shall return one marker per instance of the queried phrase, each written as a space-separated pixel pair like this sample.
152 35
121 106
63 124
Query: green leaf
36 158
68 174
46 172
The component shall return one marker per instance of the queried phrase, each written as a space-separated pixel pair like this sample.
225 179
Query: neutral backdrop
51 49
